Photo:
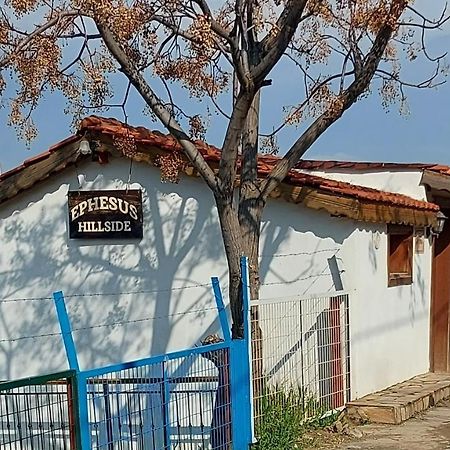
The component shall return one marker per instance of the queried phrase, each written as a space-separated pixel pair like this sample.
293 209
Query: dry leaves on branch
171 166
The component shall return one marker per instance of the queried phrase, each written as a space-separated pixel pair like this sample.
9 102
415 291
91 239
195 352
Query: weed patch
287 414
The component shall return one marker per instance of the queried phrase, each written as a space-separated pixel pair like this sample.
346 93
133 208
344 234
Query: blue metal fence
199 398
179 400
37 413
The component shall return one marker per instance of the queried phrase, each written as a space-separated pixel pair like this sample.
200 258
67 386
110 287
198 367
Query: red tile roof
265 164
359 192
371 166
113 127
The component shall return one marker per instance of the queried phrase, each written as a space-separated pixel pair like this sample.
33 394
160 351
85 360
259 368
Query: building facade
129 298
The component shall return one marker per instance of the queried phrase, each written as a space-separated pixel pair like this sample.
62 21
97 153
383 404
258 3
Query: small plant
285 414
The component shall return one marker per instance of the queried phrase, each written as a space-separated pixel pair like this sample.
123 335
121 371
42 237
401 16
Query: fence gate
37 413
181 401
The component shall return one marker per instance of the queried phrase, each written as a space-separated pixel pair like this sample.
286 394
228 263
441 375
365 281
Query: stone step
402 401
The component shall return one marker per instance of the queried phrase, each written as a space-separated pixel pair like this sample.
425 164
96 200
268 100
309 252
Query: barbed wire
143 291
109 325
25 299
106 294
323 273
22 338
315 277
144 319
274 283
155 291
299 297
285 255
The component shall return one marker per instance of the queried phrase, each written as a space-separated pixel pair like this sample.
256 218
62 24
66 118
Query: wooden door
440 303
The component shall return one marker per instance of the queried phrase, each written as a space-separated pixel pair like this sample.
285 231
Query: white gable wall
400 182
182 247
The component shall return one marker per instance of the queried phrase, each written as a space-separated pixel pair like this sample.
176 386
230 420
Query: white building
364 228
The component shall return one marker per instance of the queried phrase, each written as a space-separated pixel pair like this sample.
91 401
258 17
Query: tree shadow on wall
125 299
296 249
150 308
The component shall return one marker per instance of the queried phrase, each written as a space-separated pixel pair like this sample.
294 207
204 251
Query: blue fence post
84 433
246 297
80 402
166 404
221 309
241 375
66 330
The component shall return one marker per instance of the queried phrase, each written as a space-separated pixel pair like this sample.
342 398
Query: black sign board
105 214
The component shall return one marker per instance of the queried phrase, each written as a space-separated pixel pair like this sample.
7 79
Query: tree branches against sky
367 132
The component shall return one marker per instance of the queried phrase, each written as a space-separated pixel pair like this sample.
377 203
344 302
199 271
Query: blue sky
366 132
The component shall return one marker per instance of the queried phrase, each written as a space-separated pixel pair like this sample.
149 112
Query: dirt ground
427 431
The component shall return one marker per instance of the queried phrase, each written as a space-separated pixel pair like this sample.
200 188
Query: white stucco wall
182 247
401 182
389 326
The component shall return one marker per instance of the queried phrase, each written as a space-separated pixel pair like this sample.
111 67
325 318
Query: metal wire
29 299
301 354
297 280
181 403
286 255
154 291
106 294
112 324
21 338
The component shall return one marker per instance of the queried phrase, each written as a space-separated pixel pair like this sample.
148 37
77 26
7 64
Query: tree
340 48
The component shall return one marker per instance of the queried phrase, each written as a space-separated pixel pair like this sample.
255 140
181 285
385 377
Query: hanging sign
105 214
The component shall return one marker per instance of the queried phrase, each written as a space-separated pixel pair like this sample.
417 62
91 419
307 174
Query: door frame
439 307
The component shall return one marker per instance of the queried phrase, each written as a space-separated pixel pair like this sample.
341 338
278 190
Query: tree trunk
250 212
241 238
233 249
241 235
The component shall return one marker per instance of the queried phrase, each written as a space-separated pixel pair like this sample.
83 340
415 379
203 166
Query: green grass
286 414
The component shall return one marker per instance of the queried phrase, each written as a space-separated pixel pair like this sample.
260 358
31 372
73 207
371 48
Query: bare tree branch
274 45
343 102
158 108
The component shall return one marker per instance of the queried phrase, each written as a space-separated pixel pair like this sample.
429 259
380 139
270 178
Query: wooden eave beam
436 181
353 208
38 171
335 205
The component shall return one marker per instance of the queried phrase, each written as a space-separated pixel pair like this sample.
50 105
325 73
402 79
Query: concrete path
427 431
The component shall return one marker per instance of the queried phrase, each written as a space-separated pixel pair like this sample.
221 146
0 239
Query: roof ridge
315 164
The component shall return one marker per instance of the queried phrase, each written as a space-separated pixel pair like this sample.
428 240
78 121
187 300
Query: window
400 255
